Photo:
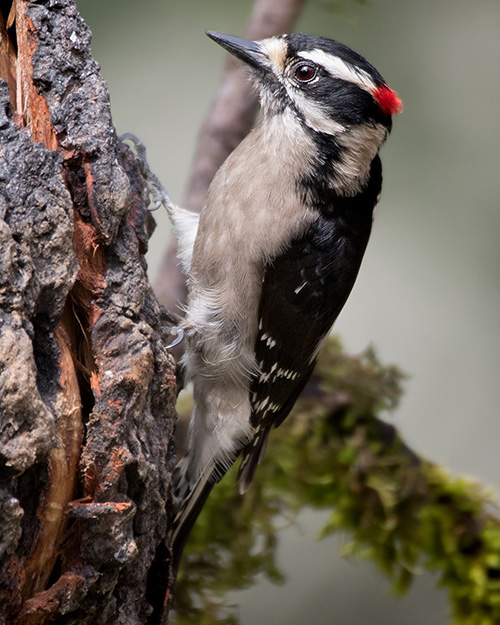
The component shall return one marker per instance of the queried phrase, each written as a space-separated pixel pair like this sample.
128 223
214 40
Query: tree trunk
87 388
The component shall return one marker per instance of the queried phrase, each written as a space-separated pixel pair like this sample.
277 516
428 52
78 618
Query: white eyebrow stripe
338 68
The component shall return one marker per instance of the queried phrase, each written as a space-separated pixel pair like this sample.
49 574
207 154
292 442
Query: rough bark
87 388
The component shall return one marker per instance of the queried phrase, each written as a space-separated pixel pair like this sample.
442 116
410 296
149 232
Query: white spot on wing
262 404
270 342
288 374
264 377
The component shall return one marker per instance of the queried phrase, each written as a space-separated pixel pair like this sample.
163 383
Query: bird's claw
156 193
171 327
177 332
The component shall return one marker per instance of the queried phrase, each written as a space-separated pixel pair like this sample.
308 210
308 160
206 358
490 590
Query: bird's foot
171 328
157 194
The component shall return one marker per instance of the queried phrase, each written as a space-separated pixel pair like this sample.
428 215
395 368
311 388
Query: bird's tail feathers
189 497
191 493
251 458
189 501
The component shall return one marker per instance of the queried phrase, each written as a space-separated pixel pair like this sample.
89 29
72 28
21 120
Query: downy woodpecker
276 250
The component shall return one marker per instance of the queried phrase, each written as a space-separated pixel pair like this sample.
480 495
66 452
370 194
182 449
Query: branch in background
233 112
230 119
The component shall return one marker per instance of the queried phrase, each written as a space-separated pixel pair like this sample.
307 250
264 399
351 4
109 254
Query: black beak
248 51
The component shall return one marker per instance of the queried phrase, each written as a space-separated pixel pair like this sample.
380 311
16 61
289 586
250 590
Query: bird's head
328 85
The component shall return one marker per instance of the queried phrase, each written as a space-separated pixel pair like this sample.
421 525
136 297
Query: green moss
335 453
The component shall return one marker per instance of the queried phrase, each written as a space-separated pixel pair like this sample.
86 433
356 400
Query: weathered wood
87 388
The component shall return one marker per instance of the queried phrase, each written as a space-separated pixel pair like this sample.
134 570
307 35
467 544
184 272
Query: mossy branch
402 512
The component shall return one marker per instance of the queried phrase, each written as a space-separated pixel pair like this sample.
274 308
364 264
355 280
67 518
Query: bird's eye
305 72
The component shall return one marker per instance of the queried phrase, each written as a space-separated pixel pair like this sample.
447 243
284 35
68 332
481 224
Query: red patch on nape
388 100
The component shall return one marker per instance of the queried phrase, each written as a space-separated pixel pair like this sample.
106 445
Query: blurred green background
428 294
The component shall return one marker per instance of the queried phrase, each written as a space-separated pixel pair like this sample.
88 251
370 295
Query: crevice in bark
87 389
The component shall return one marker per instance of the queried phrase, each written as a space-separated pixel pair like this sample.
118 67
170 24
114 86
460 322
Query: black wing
303 291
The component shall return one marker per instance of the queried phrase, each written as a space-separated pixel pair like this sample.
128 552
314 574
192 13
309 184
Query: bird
273 256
